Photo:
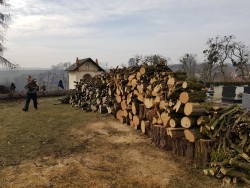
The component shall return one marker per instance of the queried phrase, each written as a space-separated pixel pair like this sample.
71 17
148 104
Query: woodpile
172 111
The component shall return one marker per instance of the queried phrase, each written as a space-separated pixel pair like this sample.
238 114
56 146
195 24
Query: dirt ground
59 146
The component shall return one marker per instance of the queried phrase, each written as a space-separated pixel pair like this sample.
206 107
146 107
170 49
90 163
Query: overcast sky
46 32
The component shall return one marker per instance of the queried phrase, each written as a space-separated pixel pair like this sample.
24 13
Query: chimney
96 61
77 61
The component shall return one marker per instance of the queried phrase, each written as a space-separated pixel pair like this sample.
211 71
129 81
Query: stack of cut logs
171 110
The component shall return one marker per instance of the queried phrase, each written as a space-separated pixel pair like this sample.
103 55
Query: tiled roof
75 66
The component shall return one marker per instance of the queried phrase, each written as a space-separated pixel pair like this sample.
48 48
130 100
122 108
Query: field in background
60 146
48 77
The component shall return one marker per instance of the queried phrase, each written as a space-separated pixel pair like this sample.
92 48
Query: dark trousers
30 96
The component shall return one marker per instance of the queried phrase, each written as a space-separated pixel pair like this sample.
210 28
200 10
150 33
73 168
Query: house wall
72 78
86 68
77 76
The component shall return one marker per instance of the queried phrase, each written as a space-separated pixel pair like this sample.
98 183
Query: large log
188 122
203 149
159 136
194 109
192 135
175 122
182 147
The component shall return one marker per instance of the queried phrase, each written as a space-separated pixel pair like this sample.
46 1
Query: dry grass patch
60 146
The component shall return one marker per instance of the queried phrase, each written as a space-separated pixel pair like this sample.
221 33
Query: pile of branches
230 158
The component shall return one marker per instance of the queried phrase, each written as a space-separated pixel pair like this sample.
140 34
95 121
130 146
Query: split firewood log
194 109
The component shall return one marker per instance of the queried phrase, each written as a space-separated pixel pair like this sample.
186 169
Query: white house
83 67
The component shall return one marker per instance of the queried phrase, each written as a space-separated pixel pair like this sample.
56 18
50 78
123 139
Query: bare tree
239 57
4 19
218 52
138 59
132 62
52 76
150 59
209 71
189 64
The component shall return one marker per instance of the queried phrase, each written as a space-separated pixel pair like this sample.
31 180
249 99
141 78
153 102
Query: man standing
31 87
12 87
60 84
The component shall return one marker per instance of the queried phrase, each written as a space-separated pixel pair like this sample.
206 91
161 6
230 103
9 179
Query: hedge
208 84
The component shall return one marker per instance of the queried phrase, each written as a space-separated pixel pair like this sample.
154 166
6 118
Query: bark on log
197 96
175 122
175 132
142 111
203 149
194 109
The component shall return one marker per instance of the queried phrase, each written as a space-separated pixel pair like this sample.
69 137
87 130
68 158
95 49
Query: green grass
33 134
